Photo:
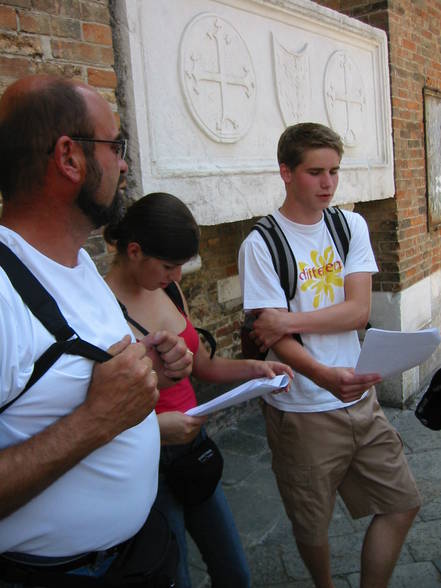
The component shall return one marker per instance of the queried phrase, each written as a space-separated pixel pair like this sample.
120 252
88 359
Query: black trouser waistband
58 563
47 576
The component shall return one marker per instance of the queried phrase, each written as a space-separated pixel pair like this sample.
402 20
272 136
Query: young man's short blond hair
297 139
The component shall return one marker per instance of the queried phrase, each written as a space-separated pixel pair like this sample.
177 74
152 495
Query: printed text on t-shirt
322 275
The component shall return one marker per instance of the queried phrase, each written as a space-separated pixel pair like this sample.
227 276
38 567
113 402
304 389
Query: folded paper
246 391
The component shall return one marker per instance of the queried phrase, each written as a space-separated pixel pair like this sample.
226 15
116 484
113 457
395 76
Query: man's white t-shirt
106 498
320 283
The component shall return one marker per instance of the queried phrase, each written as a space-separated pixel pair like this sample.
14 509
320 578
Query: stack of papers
383 352
247 391
391 352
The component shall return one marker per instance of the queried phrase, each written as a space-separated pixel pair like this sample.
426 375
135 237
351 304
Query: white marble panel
192 266
416 311
386 310
407 310
435 285
215 83
228 289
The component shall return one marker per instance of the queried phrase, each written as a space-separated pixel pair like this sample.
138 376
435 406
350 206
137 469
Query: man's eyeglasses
119 145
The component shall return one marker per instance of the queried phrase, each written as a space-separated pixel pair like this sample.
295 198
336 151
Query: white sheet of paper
391 352
246 391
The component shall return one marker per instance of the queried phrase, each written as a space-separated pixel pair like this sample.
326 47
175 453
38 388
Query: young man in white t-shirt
328 433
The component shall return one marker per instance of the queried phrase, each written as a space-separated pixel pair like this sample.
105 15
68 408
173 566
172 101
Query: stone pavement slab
266 532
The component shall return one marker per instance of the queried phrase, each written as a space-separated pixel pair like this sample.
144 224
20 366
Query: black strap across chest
44 307
174 294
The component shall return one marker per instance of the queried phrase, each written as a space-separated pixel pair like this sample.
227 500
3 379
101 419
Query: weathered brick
97 33
15 67
18 3
101 78
61 69
93 12
8 18
65 27
69 8
34 23
21 45
82 52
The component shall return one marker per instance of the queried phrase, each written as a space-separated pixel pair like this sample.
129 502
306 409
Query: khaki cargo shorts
353 450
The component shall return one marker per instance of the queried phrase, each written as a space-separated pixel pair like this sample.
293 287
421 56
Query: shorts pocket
299 476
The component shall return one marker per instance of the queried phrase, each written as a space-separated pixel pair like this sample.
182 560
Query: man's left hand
269 327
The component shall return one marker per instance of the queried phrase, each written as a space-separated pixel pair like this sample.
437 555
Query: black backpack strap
44 307
210 340
34 295
339 229
282 256
131 320
174 293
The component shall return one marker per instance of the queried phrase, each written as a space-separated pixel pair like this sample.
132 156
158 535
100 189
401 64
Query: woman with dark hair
155 238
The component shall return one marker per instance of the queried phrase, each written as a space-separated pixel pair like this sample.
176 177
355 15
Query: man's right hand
270 326
123 390
344 383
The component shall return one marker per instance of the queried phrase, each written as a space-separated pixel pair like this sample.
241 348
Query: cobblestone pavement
266 533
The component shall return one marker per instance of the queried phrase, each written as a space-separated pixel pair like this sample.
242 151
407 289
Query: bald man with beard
79 450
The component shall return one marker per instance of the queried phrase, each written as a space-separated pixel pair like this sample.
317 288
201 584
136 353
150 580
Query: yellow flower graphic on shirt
322 275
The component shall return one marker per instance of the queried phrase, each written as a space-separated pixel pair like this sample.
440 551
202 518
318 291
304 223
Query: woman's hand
178 428
269 369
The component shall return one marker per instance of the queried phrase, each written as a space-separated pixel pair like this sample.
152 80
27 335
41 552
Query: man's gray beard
99 214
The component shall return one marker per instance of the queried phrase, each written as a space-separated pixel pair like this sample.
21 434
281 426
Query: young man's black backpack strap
282 256
285 264
45 309
339 229
175 295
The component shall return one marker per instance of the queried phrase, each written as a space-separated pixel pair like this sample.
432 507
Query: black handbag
148 559
193 477
428 410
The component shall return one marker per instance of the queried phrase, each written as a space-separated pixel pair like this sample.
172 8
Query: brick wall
71 38
52 36
406 248
219 247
